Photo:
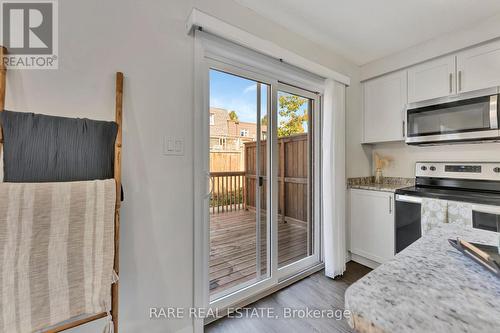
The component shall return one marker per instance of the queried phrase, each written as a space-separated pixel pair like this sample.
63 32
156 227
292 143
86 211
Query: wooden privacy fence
226 161
293 184
236 190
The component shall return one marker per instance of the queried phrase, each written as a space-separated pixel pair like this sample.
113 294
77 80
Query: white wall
477 33
404 157
357 157
146 40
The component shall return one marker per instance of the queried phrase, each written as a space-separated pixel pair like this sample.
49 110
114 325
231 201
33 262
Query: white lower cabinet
372 225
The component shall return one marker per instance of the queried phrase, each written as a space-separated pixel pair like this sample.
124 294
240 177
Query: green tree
292 118
233 116
264 120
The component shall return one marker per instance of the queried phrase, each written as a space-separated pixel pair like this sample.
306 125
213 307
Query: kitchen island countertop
429 287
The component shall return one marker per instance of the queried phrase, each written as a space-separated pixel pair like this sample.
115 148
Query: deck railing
227 191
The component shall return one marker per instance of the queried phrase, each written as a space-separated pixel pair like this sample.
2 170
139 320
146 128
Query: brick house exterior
230 135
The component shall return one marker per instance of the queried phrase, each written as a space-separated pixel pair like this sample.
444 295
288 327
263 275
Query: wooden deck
233 248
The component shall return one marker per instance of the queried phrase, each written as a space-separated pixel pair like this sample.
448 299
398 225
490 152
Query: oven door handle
407 198
488 209
494 210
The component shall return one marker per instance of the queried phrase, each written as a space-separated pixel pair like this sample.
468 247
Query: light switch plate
173 146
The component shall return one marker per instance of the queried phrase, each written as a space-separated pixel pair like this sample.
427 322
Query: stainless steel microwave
468 120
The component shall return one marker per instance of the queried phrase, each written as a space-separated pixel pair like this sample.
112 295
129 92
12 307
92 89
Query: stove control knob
433 168
496 170
423 168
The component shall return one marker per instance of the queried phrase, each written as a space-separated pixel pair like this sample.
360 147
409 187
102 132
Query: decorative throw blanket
56 252
40 148
433 212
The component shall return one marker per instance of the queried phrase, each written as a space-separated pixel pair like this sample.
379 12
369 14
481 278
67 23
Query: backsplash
389 184
405 157
386 180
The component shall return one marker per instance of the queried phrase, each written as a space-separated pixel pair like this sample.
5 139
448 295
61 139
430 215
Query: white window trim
257 64
217 27
279 274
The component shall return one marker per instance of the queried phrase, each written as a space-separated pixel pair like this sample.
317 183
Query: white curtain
334 182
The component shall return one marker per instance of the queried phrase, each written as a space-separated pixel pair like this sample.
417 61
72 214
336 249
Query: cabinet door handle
390 204
451 83
459 80
404 134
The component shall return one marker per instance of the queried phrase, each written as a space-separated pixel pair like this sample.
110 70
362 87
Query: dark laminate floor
313 292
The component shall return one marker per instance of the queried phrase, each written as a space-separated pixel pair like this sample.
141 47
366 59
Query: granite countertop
389 184
429 287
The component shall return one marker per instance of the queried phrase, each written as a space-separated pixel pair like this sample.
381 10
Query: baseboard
364 261
348 257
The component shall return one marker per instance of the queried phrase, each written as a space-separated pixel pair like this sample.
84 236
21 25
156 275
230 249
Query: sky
235 93
232 92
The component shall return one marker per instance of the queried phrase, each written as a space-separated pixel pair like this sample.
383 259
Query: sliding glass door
264 173
239 234
296 161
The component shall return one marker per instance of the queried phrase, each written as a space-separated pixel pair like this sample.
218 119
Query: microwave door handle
494 112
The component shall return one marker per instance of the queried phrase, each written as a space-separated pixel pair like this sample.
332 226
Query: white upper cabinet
385 98
432 79
384 102
479 67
